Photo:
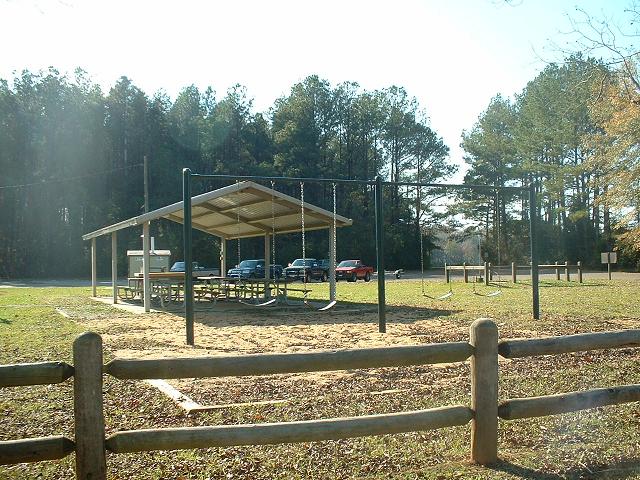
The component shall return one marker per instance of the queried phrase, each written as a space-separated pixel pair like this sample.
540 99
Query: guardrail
483 348
488 270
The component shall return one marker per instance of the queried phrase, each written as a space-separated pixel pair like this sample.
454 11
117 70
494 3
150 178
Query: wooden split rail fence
483 348
487 270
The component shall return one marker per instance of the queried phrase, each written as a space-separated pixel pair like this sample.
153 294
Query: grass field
599 443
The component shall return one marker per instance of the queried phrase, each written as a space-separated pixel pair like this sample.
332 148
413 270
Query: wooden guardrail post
484 391
465 273
579 272
557 271
566 271
447 278
514 272
87 407
486 273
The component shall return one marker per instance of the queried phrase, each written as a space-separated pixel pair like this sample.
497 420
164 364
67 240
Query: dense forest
71 160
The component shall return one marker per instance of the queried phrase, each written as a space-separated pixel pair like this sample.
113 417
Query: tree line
71 161
570 132
71 157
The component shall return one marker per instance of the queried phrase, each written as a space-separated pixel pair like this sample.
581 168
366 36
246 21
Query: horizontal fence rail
287 432
35 449
42 373
567 402
267 364
568 343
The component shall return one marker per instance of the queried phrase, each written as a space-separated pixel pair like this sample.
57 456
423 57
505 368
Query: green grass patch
599 443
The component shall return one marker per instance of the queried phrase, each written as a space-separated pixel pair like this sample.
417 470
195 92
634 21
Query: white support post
267 265
332 264
223 257
145 267
94 281
114 266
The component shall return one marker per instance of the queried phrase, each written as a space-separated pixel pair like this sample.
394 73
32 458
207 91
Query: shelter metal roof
242 210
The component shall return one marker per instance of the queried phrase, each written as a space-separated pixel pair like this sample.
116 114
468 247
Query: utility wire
60 180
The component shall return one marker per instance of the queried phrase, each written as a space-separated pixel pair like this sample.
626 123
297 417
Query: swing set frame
378 186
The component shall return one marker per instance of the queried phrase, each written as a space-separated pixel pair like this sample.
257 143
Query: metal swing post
535 288
188 264
382 320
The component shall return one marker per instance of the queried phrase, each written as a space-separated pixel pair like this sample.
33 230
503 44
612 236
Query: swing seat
328 306
494 294
445 296
272 301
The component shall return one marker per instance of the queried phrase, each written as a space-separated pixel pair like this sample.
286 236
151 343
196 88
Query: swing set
377 186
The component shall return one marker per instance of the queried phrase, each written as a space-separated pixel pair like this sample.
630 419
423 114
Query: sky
452 55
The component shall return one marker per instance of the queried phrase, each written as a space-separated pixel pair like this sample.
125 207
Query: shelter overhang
242 210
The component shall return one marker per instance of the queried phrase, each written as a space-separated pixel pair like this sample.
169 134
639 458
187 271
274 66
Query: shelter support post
447 278
514 272
267 264
486 273
535 287
146 260
332 263
114 266
223 257
188 259
465 272
94 281
382 321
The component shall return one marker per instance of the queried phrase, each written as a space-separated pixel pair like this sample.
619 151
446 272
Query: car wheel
325 277
367 277
308 278
353 277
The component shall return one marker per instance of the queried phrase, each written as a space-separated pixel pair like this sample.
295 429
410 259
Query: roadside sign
609 257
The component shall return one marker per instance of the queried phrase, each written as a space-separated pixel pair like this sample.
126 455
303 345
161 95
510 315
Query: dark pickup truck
254 269
312 268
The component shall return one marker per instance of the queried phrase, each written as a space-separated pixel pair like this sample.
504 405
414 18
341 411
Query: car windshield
348 263
248 264
298 262
178 267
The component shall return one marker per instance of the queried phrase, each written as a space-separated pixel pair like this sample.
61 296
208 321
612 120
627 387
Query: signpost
609 258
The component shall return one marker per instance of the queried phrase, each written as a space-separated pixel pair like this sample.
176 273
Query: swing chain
238 226
304 255
273 227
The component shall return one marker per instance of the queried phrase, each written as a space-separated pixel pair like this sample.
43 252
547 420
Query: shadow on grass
5 321
623 469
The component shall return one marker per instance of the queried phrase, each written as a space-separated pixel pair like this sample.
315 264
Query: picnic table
165 286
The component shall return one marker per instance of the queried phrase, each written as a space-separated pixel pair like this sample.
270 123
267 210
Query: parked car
352 270
312 268
198 270
254 269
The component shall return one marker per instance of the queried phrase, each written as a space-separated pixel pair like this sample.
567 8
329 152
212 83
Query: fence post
87 407
484 391
579 272
514 272
464 272
566 271
557 271
486 273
